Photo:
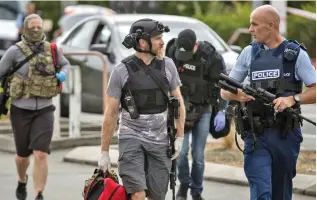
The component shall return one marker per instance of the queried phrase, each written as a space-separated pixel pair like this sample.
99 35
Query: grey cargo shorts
144 167
32 129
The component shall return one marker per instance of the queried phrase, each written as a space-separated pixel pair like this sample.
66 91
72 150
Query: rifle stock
232 85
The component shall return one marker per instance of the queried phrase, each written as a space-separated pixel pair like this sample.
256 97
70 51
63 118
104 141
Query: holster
193 113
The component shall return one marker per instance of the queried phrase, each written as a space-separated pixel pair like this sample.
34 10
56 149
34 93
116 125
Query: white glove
178 147
104 161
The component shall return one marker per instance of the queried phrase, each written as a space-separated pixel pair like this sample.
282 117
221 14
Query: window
7 14
82 35
68 21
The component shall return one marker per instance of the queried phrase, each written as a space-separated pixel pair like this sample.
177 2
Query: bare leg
138 196
40 171
22 164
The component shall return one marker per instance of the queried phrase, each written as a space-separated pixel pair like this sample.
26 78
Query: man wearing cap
199 66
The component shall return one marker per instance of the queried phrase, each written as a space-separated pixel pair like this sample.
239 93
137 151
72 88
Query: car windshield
68 21
202 33
7 13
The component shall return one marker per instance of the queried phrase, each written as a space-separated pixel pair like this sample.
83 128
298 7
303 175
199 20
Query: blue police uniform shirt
19 20
304 69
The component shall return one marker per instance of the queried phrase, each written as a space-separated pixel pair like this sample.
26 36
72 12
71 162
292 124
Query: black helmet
143 29
148 27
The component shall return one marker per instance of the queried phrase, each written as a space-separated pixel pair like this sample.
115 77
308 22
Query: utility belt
283 121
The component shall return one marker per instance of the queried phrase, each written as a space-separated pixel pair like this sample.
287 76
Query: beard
160 53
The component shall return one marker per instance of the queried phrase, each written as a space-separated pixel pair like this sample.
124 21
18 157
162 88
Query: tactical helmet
143 29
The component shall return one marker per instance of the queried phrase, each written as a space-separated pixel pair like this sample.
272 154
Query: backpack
104 186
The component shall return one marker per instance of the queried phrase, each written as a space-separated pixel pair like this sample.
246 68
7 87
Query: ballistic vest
198 87
274 71
148 96
41 80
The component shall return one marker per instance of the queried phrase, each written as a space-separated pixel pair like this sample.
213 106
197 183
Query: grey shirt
148 128
13 56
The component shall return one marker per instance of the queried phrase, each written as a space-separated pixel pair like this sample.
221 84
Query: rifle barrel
231 81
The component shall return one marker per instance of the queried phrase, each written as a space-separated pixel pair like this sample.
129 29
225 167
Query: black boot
197 197
20 192
182 192
39 196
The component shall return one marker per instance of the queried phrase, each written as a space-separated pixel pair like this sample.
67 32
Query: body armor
148 96
198 88
199 78
274 71
41 80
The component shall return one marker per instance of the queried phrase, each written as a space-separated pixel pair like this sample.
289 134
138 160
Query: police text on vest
190 67
266 74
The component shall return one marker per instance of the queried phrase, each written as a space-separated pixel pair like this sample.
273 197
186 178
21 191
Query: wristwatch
296 99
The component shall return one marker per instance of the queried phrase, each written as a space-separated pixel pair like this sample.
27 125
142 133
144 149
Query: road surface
66 181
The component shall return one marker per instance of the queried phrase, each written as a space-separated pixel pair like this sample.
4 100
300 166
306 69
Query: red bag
54 55
113 191
104 187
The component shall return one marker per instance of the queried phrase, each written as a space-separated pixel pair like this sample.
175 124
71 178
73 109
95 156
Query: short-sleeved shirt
304 69
149 128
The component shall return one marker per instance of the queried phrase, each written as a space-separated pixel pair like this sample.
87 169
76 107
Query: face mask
33 36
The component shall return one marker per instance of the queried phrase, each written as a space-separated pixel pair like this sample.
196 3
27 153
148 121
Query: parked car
9 11
105 34
74 14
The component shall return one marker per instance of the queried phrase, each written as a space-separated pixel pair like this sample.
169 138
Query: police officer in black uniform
199 66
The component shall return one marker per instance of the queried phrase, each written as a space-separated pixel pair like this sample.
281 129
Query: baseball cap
185 44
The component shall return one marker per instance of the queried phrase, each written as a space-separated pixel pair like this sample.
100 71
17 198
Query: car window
81 36
104 36
202 33
68 21
7 14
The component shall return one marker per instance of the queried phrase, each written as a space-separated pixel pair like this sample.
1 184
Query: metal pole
57 116
256 4
281 8
74 101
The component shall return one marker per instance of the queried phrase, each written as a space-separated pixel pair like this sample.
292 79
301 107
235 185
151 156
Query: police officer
32 87
280 66
199 66
144 165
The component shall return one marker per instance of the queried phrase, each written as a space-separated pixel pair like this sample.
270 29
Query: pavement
66 181
302 183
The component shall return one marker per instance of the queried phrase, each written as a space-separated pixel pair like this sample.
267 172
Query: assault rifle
173 113
232 85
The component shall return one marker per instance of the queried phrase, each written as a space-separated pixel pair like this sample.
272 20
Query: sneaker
197 197
39 196
20 192
182 192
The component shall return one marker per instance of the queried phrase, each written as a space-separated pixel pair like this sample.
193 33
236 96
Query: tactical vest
148 96
274 71
197 87
41 80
